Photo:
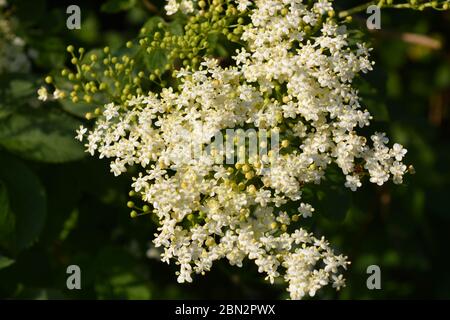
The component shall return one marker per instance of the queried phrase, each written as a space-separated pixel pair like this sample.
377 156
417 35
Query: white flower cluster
12 55
286 80
44 95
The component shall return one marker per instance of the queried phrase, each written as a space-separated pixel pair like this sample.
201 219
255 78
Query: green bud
87 98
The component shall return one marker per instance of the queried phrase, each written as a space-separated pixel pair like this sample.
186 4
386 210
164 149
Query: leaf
157 59
16 90
5 262
114 6
176 26
151 25
46 137
27 202
22 89
52 51
78 109
116 277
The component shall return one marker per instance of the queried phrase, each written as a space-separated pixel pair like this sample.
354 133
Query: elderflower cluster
293 77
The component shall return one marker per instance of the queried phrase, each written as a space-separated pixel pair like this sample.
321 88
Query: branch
356 9
382 4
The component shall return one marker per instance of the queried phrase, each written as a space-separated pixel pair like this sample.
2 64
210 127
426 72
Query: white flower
243 4
353 182
80 133
58 94
306 210
111 111
398 151
338 282
42 94
238 212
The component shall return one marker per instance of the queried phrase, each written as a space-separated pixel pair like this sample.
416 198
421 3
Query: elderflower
284 80
42 94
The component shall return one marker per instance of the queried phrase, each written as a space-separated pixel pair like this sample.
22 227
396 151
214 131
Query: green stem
382 3
356 9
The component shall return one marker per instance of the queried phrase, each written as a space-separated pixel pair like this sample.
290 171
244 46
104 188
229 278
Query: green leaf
21 89
27 202
52 51
46 137
114 6
117 277
16 90
78 109
156 59
151 25
5 262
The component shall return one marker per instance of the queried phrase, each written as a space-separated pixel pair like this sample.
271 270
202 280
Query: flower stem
357 9
444 5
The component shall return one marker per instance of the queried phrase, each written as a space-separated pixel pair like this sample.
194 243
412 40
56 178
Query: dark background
74 211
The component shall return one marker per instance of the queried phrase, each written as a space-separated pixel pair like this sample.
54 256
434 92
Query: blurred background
59 207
